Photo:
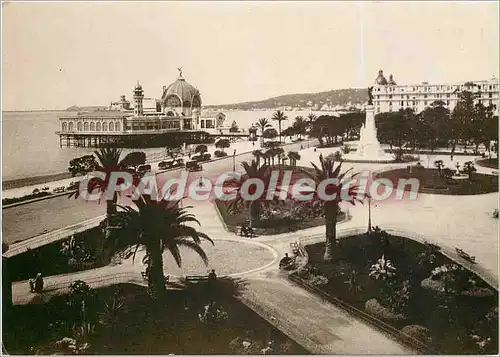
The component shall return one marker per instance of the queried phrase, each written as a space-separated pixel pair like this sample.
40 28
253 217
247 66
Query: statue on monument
370 96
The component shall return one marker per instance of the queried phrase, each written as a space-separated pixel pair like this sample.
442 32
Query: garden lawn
431 181
490 163
445 320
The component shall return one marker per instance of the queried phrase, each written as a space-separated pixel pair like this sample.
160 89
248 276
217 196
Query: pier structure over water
174 117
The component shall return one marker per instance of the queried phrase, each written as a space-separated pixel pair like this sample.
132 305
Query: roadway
26 221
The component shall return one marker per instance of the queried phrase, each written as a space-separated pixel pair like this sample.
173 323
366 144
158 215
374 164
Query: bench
197 278
465 256
297 248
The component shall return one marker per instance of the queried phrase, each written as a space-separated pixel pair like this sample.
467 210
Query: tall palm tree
252 171
331 208
108 162
279 116
262 124
311 118
158 226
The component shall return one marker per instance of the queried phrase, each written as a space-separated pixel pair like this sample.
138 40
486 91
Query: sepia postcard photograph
250 177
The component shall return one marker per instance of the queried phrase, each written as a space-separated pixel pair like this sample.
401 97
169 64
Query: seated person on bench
285 261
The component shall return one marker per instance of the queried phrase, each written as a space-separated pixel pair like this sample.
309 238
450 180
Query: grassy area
432 182
490 163
142 326
450 318
234 220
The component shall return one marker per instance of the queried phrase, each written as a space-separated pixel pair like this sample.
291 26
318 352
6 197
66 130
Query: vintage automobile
193 166
143 169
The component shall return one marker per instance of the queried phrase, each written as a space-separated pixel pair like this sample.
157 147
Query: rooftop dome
391 80
181 93
381 79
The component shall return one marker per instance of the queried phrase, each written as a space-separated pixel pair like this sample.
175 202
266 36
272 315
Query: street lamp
369 214
234 160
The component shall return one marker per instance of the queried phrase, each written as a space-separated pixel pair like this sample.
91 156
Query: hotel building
389 96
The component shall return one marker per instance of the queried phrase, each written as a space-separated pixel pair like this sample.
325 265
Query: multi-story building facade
389 96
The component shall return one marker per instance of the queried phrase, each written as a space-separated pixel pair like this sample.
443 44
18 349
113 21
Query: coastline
36 180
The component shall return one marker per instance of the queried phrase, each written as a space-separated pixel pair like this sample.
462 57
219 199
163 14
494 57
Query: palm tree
311 118
279 116
331 208
262 124
258 154
108 162
252 171
294 156
158 226
300 126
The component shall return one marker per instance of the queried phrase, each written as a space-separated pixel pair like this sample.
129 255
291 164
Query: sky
60 54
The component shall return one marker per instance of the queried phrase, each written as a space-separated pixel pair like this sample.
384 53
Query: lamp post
234 160
369 214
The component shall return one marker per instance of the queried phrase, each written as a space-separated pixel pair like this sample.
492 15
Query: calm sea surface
31 147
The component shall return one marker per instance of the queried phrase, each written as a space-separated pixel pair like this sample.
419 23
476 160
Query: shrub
418 332
220 153
373 307
383 269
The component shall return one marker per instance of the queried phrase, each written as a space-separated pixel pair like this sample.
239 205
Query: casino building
176 115
389 96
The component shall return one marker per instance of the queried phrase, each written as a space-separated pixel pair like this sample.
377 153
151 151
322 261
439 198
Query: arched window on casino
98 126
104 126
111 126
79 126
117 126
70 126
64 127
85 126
92 126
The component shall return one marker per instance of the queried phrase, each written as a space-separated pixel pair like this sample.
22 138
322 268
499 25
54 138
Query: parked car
143 168
165 165
207 157
193 166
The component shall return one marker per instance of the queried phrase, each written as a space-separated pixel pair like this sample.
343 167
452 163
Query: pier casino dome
180 97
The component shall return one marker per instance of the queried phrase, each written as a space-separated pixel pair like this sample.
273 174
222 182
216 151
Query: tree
158 226
108 161
439 165
201 149
279 116
263 124
294 156
82 165
222 144
433 126
311 118
331 207
252 171
134 159
270 133
460 127
469 169
257 154
299 126
327 127
394 128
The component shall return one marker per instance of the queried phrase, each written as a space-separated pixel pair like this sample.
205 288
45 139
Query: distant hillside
75 108
338 97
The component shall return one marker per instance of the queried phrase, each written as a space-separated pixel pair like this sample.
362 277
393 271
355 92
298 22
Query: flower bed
413 288
431 181
124 320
